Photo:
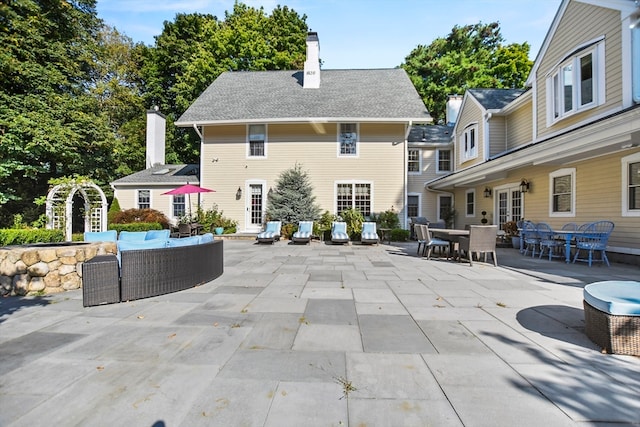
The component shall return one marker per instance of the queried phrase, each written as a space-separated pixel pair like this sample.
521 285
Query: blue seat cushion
157 234
620 298
302 234
266 235
185 241
135 245
338 235
206 238
369 236
272 227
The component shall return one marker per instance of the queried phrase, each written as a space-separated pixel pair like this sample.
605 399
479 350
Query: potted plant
511 230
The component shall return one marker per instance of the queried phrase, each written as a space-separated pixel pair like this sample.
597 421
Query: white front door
256 206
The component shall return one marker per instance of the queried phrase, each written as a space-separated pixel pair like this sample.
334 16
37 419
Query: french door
509 205
255 203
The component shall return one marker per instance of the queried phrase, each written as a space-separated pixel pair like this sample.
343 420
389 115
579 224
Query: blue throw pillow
101 236
157 234
137 236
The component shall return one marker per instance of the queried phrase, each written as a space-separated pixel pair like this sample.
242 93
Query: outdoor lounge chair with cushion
271 232
369 234
339 232
304 233
482 239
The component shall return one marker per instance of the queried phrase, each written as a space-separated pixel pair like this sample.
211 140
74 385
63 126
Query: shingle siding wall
594 22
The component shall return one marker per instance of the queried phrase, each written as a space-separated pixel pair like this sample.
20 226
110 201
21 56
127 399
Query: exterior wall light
487 192
524 186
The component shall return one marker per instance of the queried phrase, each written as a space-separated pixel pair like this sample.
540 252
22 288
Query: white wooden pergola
59 207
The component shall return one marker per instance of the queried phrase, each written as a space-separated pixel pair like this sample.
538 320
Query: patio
319 335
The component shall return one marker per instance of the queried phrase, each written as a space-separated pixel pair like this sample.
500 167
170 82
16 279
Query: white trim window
469 142
631 185
445 206
348 140
414 161
178 205
143 199
577 83
257 141
443 160
356 195
413 204
470 203
562 194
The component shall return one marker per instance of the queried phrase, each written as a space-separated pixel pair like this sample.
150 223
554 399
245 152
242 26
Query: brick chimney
311 79
156 124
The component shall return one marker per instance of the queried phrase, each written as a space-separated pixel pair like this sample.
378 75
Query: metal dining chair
530 237
593 238
548 241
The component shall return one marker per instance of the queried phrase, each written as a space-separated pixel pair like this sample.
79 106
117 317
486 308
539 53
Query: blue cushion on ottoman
621 298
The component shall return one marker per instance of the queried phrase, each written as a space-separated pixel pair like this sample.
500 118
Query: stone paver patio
324 335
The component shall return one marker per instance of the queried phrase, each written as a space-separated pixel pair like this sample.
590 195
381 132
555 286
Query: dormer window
348 139
469 142
577 84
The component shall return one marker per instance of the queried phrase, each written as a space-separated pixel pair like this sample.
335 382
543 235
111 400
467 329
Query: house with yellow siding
347 129
567 149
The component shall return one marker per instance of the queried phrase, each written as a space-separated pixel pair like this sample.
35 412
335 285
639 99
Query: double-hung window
413 205
413 161
470 205
563 193
443 162
469 143
354 196
178 207
257 144
577 84
631 185
348 139
144 199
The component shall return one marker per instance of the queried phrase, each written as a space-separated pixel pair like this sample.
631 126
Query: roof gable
278 96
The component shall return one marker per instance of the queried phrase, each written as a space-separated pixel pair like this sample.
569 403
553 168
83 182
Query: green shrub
386 219
354 219
323 225
114 209
29 235
287 230
131 216
136 226
212 218
399 235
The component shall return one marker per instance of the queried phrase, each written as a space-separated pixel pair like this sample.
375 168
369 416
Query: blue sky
355 33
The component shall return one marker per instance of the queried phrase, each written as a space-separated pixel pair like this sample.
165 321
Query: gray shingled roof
430 134
175 174
360 95
495 99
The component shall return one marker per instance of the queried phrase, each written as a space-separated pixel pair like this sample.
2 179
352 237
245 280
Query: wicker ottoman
612 316
100 281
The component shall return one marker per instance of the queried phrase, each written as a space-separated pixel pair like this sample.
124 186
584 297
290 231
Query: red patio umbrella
189 189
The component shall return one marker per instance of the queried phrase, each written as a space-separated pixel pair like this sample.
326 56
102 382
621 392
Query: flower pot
515 241
219 230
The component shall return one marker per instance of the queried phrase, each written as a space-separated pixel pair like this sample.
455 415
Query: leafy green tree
292 200
194 49
50 125
471 56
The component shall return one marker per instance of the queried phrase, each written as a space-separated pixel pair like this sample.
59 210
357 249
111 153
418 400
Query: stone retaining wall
46 269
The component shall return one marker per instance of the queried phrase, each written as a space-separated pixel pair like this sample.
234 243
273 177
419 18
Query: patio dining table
568 236
449 234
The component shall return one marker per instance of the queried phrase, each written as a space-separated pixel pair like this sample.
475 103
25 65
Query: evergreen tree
293 200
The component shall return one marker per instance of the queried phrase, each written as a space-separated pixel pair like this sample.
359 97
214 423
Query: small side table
100 280
385 233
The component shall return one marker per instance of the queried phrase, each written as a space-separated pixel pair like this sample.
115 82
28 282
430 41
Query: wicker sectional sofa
140 272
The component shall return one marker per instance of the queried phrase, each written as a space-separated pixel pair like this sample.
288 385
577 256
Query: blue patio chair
339 232
530 238
593 238
271 232
304 233
369 234
548 241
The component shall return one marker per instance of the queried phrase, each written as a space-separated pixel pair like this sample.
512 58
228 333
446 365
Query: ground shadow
560 322
13 304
